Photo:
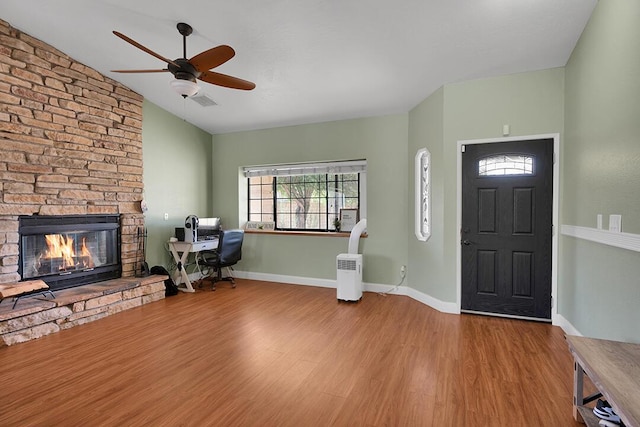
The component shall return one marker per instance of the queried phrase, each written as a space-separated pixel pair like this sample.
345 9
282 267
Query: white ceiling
312 60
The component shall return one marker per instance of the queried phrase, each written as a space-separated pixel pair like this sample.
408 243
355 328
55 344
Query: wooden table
180 251
614 368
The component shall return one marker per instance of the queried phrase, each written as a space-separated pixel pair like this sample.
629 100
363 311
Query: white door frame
555 219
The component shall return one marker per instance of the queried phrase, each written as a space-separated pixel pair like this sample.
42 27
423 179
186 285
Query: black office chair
229 252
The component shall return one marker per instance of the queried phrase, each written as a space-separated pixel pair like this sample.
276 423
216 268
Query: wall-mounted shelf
620 240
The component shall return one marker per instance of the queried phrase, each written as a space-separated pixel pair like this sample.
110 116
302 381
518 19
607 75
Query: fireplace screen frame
35 225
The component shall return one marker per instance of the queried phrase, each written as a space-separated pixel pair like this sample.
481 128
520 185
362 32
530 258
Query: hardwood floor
267 354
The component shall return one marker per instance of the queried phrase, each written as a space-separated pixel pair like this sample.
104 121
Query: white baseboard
294 280
445 307
567 327
442 306
391 290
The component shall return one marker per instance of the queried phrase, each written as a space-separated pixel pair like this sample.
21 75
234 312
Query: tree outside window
302 202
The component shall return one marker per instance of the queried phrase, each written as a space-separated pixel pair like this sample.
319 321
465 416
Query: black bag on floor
170 288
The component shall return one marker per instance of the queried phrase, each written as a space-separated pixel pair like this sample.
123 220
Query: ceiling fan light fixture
185 88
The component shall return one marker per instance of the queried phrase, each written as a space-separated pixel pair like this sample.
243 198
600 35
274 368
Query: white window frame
335 166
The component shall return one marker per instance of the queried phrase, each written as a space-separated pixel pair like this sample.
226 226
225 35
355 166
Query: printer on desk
198 229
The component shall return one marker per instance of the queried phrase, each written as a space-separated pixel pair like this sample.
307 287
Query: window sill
305 233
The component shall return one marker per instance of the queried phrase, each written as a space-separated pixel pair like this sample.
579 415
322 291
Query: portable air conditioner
349 277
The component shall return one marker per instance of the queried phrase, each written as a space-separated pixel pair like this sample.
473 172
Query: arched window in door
506 164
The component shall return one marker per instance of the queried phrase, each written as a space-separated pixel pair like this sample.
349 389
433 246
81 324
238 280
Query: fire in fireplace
63 254
71 250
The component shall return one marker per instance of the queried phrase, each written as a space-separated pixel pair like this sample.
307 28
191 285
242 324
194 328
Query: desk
614 368
180 251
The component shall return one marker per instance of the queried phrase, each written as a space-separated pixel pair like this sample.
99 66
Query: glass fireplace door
67 251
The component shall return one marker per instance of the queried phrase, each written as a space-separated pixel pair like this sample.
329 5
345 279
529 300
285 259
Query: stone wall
70 143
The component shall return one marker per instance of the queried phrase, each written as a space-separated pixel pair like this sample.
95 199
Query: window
505 165
305 196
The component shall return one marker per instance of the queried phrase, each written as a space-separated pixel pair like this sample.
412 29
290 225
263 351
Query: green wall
531 103
177 176
599 287
603 110
382 141
426 130
593 103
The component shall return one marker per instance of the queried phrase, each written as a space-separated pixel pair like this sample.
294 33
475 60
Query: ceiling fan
186 71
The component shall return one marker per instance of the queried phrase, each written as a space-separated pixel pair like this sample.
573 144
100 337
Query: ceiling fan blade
226 81
212 58
139 71
139 46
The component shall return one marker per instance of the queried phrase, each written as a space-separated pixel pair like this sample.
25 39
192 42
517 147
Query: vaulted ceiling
311 60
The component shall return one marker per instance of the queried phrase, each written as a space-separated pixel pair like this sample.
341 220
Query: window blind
335 167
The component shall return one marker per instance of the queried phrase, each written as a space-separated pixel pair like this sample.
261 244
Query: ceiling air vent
204 100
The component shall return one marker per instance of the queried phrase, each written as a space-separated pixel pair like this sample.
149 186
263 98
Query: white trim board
280 278
428 300
443 306
566 326
619 240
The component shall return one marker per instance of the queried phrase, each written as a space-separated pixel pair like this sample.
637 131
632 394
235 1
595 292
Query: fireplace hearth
69 250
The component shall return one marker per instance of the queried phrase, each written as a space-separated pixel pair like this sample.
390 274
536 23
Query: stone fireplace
71 144
70 148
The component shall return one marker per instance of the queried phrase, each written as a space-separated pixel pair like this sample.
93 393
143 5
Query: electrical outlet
166 217
615 223
403 270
